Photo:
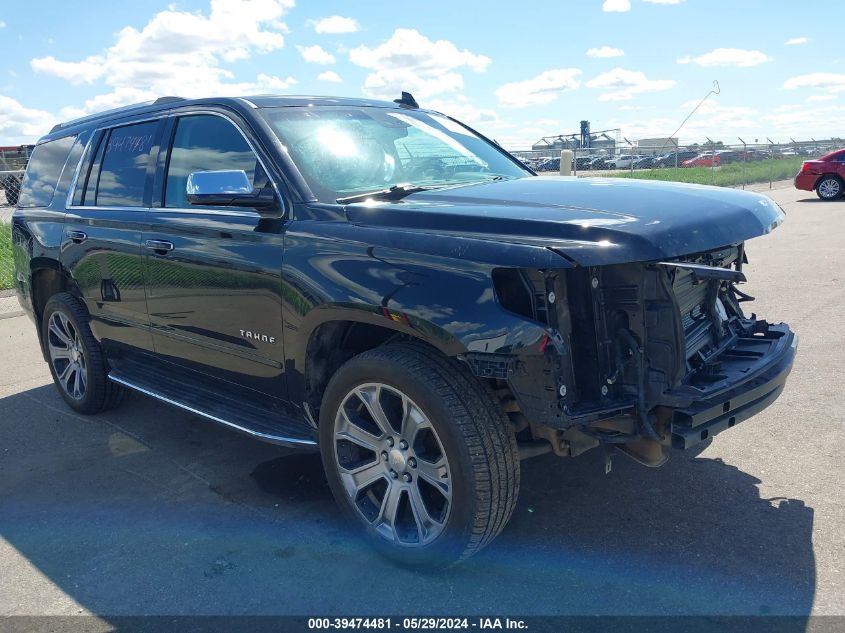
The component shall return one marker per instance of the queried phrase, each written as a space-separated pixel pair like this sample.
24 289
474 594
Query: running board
250 418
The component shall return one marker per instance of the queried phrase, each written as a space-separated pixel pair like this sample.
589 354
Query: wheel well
45 283
829 175
335 342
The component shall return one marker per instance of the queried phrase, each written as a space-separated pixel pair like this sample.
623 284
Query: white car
622 162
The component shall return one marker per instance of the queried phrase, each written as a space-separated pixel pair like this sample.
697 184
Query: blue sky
515 71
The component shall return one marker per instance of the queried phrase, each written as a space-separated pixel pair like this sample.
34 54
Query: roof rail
161 100
107 113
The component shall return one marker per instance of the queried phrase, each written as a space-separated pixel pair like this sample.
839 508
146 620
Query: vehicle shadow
823 203
150 511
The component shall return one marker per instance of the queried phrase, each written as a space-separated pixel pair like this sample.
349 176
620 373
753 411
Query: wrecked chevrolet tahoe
382 284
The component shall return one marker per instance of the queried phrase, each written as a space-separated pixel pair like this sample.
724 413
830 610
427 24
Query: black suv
382 284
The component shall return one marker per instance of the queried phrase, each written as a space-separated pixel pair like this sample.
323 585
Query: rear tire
829 187
76 360
402 426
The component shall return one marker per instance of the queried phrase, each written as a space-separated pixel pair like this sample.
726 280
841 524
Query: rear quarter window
43 172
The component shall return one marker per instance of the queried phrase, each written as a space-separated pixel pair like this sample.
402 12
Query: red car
825 175
703 160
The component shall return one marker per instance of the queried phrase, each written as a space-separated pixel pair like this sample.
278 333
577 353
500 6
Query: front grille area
695 311
697 297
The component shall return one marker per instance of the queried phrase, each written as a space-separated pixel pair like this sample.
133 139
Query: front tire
419 454
829 188
77 363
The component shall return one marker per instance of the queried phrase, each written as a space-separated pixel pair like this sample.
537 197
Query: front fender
446 302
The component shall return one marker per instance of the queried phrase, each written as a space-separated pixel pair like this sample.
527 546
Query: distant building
657 145
573 141
556 143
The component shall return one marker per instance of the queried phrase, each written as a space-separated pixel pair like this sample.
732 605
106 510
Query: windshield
341 151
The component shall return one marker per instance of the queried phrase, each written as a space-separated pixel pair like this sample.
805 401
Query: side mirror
229 188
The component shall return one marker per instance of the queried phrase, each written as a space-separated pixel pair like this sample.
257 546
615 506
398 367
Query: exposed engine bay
634 351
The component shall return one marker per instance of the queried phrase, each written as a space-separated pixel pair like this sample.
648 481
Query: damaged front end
643 356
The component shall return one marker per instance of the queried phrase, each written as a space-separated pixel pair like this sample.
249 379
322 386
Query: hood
589 221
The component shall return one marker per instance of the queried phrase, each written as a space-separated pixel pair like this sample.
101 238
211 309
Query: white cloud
335 24
621 84
329 75
538 90
797 40
120 96
616 6
182 53
410 61
820 122
2 24
315 54
813 98
19 124
829 82
272 82
86 71
717 121
485 120
605 51
728 122
714 116
738 57
388 84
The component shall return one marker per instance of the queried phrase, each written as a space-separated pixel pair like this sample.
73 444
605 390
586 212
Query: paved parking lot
148 510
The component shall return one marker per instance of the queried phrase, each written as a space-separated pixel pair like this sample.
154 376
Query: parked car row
679 158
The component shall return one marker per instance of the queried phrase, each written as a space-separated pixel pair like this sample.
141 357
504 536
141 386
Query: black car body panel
553 289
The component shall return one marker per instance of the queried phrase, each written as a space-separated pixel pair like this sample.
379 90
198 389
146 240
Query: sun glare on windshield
343 151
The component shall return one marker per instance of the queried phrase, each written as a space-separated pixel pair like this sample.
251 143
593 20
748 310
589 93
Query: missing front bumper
751 384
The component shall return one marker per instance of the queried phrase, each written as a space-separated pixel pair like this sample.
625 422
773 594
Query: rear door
103 228
214 273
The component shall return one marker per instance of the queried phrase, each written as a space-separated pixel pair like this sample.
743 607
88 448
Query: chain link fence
10 186
711 163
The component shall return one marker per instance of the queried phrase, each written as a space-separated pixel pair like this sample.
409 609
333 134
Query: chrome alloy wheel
392 464
67 355
829 188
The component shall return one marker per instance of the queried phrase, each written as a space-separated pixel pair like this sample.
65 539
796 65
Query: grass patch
7 264
726 176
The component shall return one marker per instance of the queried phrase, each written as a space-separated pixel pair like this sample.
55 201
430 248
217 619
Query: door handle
77 237
161 247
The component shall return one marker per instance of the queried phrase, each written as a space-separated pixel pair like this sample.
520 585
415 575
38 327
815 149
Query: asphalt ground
150 510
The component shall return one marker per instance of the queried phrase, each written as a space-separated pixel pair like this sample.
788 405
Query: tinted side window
72 163
86 186
123 172
207 143
43 171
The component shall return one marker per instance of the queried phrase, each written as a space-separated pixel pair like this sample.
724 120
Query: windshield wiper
396 192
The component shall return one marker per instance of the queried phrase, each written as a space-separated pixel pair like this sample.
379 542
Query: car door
214 273
102 234
839 162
